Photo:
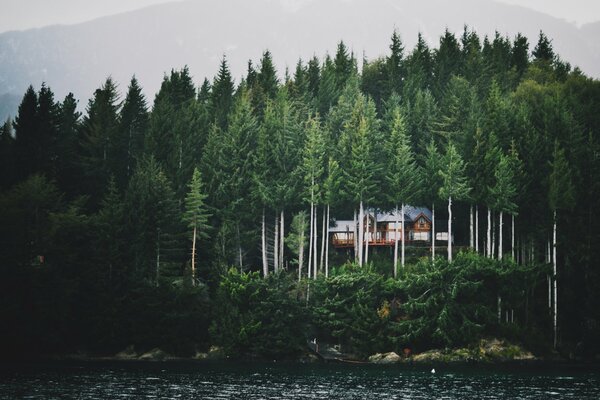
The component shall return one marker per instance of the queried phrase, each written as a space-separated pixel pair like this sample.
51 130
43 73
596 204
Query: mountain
151 41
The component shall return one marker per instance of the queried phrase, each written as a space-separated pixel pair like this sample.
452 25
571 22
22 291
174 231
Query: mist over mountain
151 41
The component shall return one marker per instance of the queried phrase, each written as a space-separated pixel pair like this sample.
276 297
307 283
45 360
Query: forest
201 217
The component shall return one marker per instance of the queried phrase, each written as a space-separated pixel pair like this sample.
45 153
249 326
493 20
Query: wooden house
381 229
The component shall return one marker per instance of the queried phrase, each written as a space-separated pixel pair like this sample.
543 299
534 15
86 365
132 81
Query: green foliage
258 317
452 172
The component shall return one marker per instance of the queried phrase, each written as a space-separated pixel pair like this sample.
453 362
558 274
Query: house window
421 236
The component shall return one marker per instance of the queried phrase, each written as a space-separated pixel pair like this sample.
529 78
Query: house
381 228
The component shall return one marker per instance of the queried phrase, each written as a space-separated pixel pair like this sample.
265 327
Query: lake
149 380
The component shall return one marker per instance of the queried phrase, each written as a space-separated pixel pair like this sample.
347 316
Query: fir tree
196 215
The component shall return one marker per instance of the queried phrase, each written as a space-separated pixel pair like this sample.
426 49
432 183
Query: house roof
342 226
411 213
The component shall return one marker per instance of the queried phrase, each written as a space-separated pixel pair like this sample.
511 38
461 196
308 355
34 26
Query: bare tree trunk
471 235
361 233
477 228
327 246
432 231
282 239
323 240
301 253
489 233
555 320
512 238
493 234
315 244
449 229
264 246
500 237
355 237
276 245
310 240
396 244
194 257
403 236
368 237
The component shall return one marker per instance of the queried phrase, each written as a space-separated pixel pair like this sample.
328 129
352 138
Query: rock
200 356
155 354
127 354
385 358
215 353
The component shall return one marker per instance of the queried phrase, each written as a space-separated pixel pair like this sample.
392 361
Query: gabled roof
411 213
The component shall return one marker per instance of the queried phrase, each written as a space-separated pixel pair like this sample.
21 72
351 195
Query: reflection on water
104 380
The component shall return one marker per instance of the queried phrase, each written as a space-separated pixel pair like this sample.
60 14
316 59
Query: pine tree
561 197
25 126
69 175
133 124
313 167
395 65
196 215
222 95
431 182
7 153
454 185
504 193
401 177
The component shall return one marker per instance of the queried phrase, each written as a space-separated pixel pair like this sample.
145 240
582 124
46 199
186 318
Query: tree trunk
471 235
493 235
310 241
396 244
239 240
403 237
355 236
315 244
194 257
265 262
477 228
323 240
327 246
500 237
300 254
276 245
512 238
449 229
555 320
432 231
282 239
368 237
361 233
489 233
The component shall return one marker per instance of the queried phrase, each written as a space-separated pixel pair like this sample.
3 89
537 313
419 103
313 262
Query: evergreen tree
26 140
196 215
432 182
97 142
454 185
401 177
70 174
133 124
7 153
561 197
504 193
395 66
222 95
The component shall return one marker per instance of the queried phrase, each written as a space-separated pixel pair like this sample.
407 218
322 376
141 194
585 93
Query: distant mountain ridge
151 41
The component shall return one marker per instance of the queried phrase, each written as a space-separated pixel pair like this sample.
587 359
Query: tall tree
133 124
454 185
561 197
504 193
222 95
432 182
196 215
401 178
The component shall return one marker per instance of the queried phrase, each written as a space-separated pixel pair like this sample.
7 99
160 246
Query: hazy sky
24 14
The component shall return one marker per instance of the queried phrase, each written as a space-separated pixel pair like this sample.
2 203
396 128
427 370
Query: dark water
104 380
